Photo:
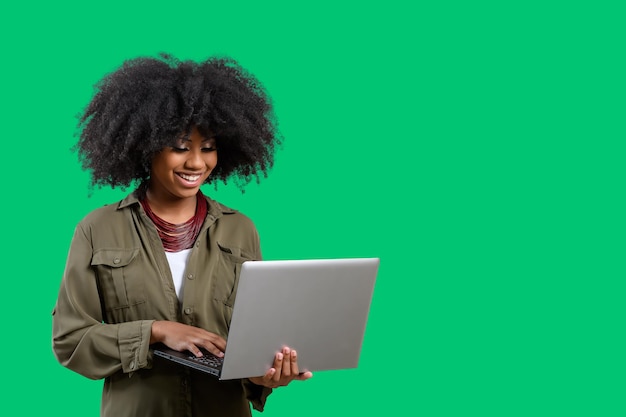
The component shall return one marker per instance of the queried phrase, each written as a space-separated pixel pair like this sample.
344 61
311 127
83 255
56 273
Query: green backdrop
475 147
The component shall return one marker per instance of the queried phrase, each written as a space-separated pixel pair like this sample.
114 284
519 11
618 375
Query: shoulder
103 214
228 215
110 224
234 230
106 215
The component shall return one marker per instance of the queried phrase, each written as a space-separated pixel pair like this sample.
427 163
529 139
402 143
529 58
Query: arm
80 339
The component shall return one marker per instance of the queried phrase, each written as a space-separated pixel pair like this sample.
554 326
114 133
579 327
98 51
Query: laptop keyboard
208 359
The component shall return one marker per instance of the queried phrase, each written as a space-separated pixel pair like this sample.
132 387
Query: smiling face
178 171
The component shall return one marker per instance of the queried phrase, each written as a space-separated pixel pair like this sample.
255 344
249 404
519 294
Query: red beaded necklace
176 237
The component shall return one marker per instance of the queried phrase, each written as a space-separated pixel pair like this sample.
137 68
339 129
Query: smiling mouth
190 178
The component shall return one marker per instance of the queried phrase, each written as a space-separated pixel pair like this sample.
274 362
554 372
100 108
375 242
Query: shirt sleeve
80 339
256 394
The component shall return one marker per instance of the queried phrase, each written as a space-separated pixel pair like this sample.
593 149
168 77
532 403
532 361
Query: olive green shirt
117 281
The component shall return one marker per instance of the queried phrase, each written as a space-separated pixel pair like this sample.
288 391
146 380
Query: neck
173 210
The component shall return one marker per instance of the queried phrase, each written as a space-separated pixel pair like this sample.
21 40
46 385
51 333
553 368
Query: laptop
318 307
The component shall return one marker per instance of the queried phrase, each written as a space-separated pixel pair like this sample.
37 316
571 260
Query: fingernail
279 356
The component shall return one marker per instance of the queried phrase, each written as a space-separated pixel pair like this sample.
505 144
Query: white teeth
190 178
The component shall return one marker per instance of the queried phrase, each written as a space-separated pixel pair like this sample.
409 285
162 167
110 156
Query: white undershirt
178 263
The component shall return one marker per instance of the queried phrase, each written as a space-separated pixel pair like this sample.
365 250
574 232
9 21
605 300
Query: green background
475 147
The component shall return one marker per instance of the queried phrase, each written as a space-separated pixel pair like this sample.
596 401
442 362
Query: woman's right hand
180 337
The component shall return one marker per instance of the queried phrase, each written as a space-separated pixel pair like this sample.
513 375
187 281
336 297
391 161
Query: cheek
212 160
164 162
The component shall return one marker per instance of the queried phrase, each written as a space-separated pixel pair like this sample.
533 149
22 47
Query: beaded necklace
176 237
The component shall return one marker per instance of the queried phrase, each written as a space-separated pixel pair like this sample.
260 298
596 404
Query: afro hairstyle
146 104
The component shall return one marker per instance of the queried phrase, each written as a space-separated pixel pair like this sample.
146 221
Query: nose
194 159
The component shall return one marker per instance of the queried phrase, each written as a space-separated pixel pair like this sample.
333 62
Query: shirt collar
216 209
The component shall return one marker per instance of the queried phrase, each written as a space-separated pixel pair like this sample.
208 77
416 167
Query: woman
161 265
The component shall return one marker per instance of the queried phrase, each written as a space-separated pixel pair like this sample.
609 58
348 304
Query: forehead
195 135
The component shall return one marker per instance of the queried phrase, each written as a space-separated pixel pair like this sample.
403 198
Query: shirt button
188 310
116 260
197 244
190 276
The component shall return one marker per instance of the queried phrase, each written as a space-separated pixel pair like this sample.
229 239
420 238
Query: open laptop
318 307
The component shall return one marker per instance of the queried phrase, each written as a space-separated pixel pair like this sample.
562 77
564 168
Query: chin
186 193
189 193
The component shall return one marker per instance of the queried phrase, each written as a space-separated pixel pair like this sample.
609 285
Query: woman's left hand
284 371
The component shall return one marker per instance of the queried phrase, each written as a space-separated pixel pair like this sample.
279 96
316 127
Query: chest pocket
228 271
120 281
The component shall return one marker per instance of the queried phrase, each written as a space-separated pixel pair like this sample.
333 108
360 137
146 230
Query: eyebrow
186 138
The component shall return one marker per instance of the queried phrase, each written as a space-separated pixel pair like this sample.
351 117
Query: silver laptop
317 307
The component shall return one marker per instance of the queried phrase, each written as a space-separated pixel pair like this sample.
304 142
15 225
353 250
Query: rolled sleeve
134 342
256 394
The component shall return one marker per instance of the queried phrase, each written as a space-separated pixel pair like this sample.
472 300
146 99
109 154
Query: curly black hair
148 102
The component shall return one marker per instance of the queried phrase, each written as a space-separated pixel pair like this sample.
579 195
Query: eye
209 146
179 149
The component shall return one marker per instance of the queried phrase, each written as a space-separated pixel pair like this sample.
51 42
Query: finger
219 342
214 344
278 365
294 363
304 376
267 378
214 350
195 351
286 370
